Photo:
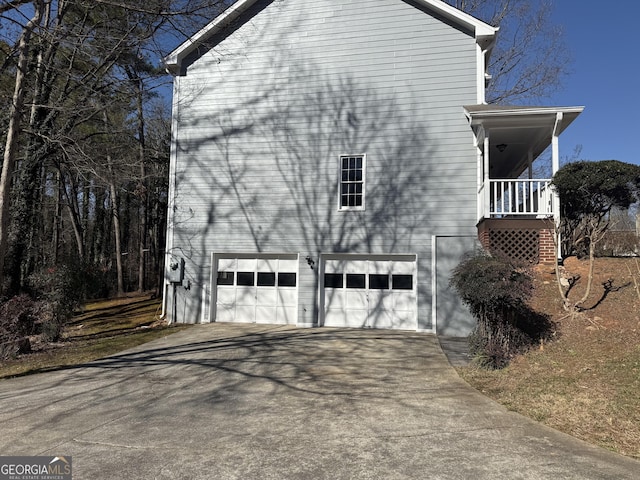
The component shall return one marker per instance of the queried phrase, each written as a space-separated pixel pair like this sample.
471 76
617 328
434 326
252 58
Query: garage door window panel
402 282
356 280
266 279
286 279
378 282
333 280
245 279
225 278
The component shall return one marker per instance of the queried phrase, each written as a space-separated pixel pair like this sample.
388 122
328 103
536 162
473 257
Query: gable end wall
263 116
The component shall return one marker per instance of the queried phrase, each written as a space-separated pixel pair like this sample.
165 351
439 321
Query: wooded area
85 117
85 122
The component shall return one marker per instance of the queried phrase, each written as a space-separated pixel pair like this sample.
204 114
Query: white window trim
342 208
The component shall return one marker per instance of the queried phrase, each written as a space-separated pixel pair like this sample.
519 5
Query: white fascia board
477 118
481 29
484 33
518 111
173 60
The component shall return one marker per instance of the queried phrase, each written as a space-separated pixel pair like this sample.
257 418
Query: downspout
434 286
483 76
171 204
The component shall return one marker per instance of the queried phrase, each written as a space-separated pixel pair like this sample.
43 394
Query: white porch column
555 166
487 185
478 143
555 151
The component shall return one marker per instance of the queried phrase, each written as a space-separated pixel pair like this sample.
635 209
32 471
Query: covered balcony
518 154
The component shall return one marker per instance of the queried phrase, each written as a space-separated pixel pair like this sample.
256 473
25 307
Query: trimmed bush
17 321
61 290
496 290
589 192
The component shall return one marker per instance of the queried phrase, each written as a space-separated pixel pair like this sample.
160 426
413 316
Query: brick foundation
547 247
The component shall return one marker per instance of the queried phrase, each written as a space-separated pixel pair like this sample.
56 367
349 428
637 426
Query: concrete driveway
226 401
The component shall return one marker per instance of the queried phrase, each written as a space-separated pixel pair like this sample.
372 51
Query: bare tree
589 192
13 132
73 60
530 59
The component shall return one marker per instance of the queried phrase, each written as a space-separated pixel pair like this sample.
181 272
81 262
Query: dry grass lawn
587 382
103 328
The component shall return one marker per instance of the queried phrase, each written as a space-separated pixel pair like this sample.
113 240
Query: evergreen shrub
497 290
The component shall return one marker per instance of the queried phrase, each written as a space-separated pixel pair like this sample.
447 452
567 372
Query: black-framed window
352 182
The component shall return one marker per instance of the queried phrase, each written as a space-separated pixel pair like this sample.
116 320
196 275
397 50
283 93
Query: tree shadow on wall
259 165
270 163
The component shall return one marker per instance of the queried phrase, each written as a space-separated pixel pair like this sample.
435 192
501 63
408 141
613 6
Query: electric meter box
176 270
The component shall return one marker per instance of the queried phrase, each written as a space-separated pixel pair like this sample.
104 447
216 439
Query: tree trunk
74 216
13 131
57 213
144 193
101 233
116 231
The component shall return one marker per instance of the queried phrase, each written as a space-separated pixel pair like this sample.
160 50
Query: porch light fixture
502 147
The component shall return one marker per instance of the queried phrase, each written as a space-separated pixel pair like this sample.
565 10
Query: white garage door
257 290
370 292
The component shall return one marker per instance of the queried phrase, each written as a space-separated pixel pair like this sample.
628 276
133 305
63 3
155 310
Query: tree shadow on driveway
313 361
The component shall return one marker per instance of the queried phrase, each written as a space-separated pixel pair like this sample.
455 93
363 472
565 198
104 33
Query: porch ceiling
519 130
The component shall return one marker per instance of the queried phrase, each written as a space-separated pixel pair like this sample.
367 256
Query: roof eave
479 117
504 111
483 32
174 59
528 128
480 28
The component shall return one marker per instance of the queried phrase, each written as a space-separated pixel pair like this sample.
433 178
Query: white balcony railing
518 197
